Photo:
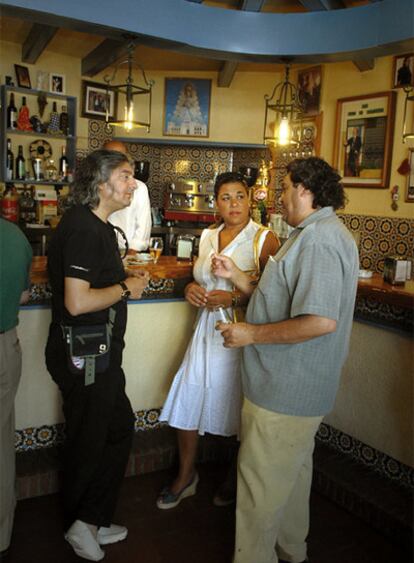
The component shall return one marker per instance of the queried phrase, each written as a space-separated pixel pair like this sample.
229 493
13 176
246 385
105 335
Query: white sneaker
112 534
83 541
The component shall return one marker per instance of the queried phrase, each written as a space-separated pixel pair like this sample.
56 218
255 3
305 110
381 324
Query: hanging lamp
129 90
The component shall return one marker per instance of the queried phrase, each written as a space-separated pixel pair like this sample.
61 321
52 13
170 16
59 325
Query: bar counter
168 267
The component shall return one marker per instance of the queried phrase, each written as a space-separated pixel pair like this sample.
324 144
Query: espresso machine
190 201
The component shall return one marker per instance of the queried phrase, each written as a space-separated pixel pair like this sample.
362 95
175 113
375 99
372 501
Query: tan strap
256 241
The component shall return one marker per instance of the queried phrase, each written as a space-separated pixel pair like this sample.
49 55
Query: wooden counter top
169 267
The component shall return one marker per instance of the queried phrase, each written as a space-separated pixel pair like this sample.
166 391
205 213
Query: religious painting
98 102
364 138
409 195
187 107
57 83
309 89
22 76
403 76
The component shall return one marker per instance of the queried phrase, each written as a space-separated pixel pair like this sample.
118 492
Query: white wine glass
156 247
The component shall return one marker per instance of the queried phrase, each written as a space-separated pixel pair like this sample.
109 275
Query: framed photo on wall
22 76
57 83
96 99
309 89
363 139
310 144
187 107
403 76
409 194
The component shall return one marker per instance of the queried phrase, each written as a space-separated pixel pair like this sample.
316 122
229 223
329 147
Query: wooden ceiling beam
319 5
36 42
105 54
364 64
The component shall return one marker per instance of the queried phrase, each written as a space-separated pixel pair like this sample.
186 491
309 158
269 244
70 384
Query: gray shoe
84 542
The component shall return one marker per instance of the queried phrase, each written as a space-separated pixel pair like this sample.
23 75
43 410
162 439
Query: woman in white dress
205 395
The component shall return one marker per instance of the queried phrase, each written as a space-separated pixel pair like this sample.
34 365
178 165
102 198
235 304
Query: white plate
144 257
365 274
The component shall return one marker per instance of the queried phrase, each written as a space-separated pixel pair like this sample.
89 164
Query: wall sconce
409 97
129 90
284 102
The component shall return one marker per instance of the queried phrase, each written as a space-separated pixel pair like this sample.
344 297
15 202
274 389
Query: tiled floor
194 532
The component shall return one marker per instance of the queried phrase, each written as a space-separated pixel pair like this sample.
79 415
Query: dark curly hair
227 178
92 171
321 179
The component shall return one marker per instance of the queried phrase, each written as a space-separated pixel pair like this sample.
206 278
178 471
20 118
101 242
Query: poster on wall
363 139
187 107
309 89
409 195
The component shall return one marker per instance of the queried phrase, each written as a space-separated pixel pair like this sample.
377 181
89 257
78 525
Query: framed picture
363 139
96 99
57 83
22 76
409 195
187 107
310 136
403 75
309 89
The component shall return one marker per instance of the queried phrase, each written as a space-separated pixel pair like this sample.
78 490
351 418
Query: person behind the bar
134 220
15 262
89 284
205 395
294 343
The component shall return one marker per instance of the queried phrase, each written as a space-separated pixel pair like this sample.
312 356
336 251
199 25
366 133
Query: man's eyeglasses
122 241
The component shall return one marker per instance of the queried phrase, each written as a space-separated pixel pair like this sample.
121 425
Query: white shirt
135 220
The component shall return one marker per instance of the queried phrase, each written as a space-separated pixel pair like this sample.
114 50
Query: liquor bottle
23 121
20 165
51 171
11 113
9 162
54 120
63 165
10 204
64 121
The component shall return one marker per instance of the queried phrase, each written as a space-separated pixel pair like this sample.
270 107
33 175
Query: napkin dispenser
185 247
396 270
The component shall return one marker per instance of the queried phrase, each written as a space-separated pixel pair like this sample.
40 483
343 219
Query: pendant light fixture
129 90
283 108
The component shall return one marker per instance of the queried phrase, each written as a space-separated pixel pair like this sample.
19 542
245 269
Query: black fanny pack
88 347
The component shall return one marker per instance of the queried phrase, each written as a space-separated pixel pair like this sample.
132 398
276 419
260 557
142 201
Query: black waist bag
88 348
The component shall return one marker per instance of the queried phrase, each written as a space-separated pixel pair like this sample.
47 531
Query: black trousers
99 427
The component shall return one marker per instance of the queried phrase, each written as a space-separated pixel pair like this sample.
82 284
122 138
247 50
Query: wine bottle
54 120
64 121
63 165
11 113
20 165
9 162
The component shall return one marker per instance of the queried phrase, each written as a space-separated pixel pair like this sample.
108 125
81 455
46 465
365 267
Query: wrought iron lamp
285 103
129 90
409 97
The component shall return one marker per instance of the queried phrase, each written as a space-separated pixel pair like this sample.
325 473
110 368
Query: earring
217 218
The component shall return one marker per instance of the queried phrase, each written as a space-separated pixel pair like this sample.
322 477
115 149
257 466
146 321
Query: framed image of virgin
187 107
363 139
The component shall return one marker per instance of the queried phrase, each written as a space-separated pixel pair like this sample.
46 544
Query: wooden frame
95 96
187 107
403 71
363 139
57 83
309 89
22 76
409 191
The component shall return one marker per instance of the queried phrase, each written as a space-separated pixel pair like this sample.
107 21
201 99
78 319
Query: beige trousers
273 485
10 371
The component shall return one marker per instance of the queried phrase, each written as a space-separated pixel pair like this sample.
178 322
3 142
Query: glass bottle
9 162
63 165
51 171
64 121
20 165
23 121
54 120
11 113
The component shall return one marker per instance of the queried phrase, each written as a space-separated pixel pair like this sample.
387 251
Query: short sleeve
83 255
318 282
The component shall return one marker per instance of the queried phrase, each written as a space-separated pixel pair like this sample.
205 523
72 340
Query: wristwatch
126 293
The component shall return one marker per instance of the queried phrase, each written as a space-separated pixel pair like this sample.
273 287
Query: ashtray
365 274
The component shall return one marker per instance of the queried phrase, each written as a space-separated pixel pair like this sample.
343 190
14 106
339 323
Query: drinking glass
156 246
222 315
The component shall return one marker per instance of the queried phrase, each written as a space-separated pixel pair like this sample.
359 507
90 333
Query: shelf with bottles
48 137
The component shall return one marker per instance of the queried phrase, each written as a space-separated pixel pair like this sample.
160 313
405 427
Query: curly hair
94 170
227 178
321 179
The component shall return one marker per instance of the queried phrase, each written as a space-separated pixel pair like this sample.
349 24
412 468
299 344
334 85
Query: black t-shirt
84 247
